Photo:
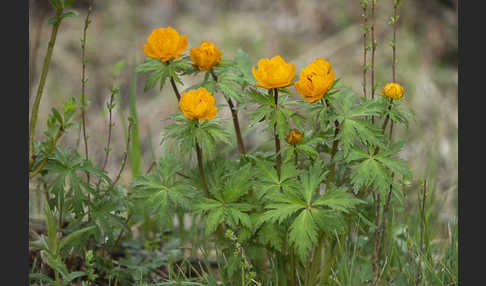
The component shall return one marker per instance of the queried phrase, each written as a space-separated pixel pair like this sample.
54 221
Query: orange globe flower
205 56
392 90
273 73
165 44
315 80
294 136
198 103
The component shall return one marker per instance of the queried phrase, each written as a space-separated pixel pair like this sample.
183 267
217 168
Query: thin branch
373 49
234 115
151 167
201 169
364 5
83 83
174 87
335 145
125 156
110 125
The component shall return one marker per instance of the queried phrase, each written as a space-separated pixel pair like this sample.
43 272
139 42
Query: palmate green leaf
338 199
361 130
303 233
160 189
329 221
161 75
271 234
213 220
370 172
240 217
237 184
185 132
311 181
243 64
343 100
397 165
229 90
150 65
280 212
268 181
369 107
400 113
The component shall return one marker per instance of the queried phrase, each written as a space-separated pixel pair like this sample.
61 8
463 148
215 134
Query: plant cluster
276 214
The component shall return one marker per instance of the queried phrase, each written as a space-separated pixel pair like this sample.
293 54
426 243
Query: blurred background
298 30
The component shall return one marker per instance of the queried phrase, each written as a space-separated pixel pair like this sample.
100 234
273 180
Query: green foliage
187 132
306 210
313 221
162 191
161 71
226 207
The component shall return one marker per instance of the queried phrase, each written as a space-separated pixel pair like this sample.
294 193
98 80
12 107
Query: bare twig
364 5
234 115
83 83
121 233
373 49
110 125
125 156
151 167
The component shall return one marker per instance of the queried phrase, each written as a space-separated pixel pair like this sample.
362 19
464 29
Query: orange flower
392 90
273 73
198 103
205 56
294 136
315 80
165 44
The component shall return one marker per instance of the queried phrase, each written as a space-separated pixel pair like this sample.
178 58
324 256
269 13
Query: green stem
335 145
42 82
234 115
316 260
180 217
278 158
201 169
174 87
51 149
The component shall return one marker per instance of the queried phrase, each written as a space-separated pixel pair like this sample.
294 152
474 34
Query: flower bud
392 90
294 136
165 44
315 80
273 73
205 56
198 103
